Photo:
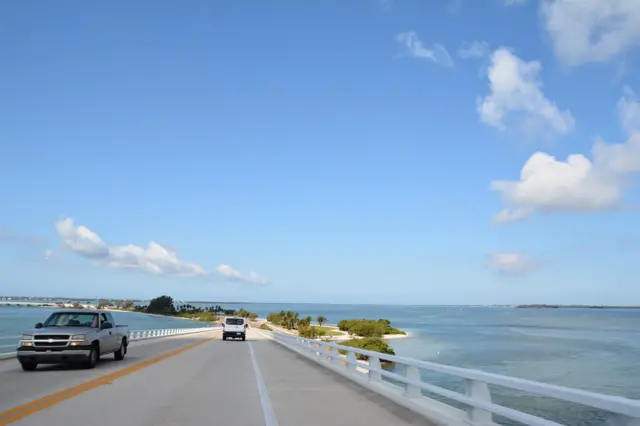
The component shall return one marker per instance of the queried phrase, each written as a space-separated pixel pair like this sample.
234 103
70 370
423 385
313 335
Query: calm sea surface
592 349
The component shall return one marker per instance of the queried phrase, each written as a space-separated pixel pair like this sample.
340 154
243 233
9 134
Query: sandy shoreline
344 336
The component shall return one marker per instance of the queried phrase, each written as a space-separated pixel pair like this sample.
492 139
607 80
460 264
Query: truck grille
51 340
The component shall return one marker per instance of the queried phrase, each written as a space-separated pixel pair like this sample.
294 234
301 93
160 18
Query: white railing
477 396
5 345
133 335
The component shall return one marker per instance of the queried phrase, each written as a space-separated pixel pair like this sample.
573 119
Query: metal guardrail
477 396
133 335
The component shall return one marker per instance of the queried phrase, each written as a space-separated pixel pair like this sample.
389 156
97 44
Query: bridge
191 377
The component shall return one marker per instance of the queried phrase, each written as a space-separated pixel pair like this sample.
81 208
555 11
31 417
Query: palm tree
321 320
306 321
295 320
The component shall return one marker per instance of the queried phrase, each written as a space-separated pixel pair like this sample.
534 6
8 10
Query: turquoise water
592 349
15 320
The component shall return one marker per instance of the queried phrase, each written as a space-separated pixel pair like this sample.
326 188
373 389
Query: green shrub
369 344
311 332
265 327
368 327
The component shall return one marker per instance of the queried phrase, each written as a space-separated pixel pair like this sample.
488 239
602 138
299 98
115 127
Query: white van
235 327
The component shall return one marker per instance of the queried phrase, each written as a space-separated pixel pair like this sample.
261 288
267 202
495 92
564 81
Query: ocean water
14 320
591 349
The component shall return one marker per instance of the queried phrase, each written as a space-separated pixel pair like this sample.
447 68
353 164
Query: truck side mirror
39 325
106 325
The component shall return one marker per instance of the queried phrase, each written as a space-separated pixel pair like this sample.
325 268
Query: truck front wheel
92 359
120 353
29 366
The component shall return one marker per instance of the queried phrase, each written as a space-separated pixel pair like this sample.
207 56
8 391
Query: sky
369 151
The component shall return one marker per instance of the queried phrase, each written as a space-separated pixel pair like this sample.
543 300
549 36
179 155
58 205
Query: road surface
194 380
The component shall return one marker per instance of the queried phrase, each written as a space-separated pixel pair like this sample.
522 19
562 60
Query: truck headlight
78 338
26 337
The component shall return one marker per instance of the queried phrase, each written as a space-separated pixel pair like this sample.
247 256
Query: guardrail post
412 374
329 352
352 361
374 364
337 359
478 391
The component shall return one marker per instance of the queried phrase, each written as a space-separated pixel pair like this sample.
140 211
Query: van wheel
120 353
92 359
224 337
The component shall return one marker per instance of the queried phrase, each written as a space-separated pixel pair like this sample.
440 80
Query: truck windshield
235 321
72 319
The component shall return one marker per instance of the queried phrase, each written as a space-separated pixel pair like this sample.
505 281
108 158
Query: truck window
71 319
110 318
234 321
103 318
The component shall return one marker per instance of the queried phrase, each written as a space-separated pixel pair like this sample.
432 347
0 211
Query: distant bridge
190 377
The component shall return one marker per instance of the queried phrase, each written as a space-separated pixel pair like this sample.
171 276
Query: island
543 306
367 334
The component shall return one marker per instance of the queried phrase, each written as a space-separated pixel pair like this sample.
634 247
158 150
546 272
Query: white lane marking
267 409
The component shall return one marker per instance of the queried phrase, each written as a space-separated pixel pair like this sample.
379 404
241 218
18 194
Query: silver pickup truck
73 336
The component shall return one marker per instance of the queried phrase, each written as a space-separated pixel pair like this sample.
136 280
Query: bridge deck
215 382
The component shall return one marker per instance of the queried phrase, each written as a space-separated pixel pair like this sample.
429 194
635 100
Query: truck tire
29 366
244 336
92 359
122 351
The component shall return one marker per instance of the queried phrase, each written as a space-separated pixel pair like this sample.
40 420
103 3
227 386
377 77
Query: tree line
292 321
165 305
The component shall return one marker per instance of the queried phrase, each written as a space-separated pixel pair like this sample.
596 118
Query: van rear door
234 325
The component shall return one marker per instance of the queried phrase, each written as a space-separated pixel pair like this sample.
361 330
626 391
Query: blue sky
329 151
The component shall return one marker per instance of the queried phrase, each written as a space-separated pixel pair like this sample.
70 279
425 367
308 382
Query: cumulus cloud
474 49
412 46
591 30
236 275
509 263
578 184
516 100
154 259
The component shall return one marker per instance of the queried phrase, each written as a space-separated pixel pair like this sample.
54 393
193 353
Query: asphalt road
252 383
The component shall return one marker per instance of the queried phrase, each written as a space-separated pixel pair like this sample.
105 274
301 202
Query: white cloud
591 30
509 263
413 47
475 49
155 259
629 111
578 184
49 255
234 274
516 98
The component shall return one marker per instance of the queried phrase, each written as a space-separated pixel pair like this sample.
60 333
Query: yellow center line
29 408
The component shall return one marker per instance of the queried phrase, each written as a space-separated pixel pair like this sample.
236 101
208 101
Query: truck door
107 337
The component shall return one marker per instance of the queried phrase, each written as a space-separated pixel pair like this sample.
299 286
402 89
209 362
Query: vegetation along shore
367 334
